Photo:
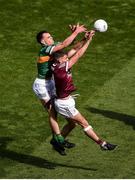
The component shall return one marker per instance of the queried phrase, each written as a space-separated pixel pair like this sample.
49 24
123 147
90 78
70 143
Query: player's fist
72 27
89 34
80 29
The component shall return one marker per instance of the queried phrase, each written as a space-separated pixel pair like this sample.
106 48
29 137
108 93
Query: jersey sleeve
48 49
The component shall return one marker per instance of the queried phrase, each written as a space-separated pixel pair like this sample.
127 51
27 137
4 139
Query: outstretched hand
89 34
78 28
72 27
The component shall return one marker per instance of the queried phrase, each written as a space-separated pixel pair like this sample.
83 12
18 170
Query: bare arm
76 47
69 40
81 51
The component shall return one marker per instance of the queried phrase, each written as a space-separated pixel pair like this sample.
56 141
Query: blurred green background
104 76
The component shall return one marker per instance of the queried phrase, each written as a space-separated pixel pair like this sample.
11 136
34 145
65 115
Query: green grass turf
105 79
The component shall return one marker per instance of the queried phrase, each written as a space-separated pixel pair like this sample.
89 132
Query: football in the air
100 25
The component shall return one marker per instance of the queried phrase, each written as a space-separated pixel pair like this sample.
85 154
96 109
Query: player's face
47 39
63 58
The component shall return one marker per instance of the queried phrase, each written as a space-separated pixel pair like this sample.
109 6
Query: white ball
101 25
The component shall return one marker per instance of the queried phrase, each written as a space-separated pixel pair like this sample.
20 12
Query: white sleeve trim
51 50
67 66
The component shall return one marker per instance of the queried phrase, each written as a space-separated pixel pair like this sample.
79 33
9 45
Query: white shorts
44 89
66 107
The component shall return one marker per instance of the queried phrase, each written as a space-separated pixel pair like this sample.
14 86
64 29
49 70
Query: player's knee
87 128
47 105
72 124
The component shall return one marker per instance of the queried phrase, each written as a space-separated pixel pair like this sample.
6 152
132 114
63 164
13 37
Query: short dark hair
58 54
39 36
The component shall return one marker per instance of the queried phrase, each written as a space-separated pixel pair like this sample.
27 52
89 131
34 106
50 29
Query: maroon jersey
63 79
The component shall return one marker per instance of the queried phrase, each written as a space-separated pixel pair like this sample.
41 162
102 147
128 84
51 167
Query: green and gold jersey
45 61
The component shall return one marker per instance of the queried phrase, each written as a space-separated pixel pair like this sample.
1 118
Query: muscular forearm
66 42
79 44
82 50
76 47
79 53
70 39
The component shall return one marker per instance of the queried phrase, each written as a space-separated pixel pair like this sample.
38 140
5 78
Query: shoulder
47 49
42 50
56 65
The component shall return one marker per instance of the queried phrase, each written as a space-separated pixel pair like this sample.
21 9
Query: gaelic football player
43 85
64 103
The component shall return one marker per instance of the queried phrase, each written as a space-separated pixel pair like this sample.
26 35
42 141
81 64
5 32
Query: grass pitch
105 79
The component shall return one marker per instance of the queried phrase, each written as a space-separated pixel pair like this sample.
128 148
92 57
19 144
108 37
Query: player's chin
51 42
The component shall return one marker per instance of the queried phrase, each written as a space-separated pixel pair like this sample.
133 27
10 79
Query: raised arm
76 47
68 41
82 50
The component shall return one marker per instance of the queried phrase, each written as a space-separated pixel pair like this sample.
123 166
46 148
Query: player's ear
43 42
